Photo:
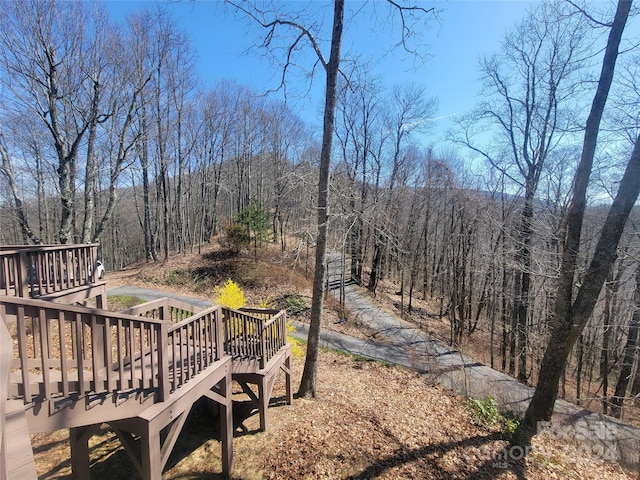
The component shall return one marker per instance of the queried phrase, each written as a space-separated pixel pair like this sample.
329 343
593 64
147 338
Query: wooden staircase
140 370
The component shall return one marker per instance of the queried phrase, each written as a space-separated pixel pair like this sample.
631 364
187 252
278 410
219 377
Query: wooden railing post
98 352
164 388
263 343
221 332
22 282
284 327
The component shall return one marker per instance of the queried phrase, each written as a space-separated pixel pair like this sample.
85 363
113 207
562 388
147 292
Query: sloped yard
370 421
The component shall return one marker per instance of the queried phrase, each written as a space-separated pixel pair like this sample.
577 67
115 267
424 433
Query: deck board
20 462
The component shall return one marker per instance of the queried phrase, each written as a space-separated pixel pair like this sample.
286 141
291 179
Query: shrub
229 295
297 345
235 237
177 277
485 412
294 304
265 302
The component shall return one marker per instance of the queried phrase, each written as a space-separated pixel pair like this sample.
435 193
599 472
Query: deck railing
63 350
38 270
249 333
165 308
254 333
194 344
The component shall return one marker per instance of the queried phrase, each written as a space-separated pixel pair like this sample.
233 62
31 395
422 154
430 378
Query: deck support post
79 443
264 380
286 368
226 425
151 460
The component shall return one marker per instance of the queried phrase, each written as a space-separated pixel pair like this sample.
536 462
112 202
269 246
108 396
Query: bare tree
361 137
44 54
140 28
284 143
528 89
628 354
409 111
6 168
304 35
573 306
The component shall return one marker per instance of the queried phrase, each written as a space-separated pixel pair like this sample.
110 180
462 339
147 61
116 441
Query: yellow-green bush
265 302
229 295
297 345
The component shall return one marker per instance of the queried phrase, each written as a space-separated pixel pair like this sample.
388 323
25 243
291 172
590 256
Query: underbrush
485 412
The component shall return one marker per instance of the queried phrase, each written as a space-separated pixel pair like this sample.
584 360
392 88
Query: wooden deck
140 370
256 340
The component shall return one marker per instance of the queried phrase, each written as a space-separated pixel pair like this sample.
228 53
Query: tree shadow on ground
216 266
488 469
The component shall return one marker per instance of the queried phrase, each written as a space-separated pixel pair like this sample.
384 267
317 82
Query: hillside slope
370 420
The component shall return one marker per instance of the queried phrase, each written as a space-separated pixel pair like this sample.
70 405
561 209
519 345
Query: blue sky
467 29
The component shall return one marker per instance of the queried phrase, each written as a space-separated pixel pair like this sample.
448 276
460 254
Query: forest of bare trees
106 135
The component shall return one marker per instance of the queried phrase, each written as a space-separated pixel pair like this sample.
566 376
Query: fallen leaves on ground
369 421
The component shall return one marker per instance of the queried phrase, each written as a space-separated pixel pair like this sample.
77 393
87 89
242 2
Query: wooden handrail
260 312
164 309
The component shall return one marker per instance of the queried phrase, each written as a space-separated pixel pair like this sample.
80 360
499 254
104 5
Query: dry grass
370 420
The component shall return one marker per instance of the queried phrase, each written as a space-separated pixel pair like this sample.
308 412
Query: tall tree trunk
7 170
143 154
376 265
522 287
91 169
569 317
635 386
308 381
579 370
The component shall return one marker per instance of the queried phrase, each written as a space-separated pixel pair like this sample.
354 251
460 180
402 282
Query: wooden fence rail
165 308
